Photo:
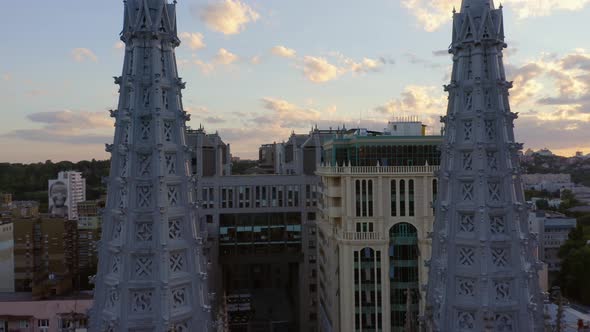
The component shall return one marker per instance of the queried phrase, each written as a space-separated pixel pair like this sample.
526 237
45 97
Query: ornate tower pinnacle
151 273
483 272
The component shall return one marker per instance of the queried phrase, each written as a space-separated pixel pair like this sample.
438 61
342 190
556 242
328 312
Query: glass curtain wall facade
367 290
403 275
384 155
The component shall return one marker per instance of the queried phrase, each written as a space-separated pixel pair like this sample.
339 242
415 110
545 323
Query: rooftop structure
152 272
483 272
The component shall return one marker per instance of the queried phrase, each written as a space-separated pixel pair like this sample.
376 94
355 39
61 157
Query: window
402 198
364 198
208 198
411 197
43 324
393 198
23 324
227 194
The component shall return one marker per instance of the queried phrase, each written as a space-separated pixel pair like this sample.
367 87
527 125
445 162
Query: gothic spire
476 6
483 273
152 272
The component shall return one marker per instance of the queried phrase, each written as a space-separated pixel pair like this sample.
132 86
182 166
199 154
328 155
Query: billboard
59 198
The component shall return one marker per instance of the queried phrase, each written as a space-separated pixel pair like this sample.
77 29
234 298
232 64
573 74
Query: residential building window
208 198
43 324
364 227
411 198
434 190
281 195
393 198
243 197
364 198
402 198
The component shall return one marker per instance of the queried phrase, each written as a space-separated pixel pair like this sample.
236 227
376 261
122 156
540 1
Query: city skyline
285 67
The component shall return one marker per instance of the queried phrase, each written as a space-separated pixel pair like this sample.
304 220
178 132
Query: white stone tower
483 273
151 273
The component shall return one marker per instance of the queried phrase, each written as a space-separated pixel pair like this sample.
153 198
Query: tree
574 274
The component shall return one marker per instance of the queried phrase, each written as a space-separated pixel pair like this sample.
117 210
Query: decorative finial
454 10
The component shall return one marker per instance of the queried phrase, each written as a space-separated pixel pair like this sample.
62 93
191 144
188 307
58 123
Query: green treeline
29 181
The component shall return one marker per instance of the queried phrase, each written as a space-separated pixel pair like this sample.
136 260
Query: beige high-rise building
375 216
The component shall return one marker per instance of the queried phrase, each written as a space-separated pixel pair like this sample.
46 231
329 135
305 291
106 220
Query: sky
258 70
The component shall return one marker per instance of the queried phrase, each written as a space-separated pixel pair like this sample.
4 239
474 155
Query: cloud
228 16
256 59
67 126
194 40
83 54
225 57
319 70
205 67
35 93
214 119
6 77
440 53
68 120
119 45
416 60
432 14
283 51
425 102
365 65
286 114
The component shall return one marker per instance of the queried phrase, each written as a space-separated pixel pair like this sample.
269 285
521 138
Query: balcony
333 191
334 212
375 170
361 236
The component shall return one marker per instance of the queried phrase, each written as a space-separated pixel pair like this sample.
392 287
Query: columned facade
372 235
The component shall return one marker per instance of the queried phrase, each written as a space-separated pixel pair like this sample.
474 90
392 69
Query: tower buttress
483 271
152 271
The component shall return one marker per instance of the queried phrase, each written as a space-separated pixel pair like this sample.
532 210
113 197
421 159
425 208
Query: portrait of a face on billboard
58 198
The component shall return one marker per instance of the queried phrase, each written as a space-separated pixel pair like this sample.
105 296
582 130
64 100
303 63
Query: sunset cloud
228 16
428 103
225 57
67 126
283 51
83 54
319 70
194 40
432 14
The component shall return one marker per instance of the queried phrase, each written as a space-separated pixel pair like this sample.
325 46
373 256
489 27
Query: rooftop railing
328 170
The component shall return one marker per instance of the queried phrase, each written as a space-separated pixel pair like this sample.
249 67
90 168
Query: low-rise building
553 230
549 182
21 312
